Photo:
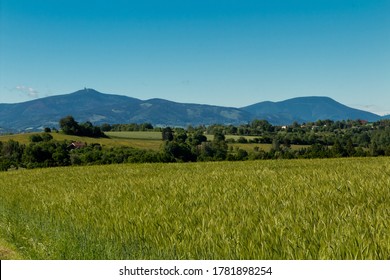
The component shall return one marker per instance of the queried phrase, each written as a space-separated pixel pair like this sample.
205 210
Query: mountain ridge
309 108
91 105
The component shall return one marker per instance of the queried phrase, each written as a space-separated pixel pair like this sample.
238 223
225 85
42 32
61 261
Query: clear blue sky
231 53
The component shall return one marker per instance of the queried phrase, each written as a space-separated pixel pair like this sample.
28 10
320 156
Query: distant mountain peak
91 105
87 91
307 109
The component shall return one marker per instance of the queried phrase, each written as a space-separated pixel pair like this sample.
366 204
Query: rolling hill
306 109
91 105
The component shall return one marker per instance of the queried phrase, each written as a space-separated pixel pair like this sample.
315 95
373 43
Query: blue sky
231 53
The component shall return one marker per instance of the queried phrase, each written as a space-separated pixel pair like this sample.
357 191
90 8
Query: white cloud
29 91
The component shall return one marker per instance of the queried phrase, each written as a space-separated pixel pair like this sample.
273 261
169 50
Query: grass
144 135
148 140
282 209
249 147
141 140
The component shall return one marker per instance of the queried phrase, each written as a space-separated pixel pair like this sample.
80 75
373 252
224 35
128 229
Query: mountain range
98 108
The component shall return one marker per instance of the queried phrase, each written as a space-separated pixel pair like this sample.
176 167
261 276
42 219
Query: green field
249 147
137 139
282 209
149 140
143 135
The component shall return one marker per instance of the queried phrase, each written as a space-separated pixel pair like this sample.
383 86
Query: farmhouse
76 145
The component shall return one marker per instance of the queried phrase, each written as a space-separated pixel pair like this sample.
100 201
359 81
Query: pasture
148 140
137 139
250 147
276 209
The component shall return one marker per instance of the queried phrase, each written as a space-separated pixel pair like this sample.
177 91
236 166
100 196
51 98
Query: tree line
70 126
321 139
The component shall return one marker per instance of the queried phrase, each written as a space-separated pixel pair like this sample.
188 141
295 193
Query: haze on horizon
235 54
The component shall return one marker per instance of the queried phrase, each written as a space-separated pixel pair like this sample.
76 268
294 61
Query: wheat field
279 209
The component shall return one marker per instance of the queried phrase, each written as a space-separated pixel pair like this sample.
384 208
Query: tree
219 146
61 155
146 126
197 138
219 136
261 125
167 134
350 149
316 151
35 138
276 144
338 150
12 151
241 154
242 140
39 154
105 127
180 151
69 126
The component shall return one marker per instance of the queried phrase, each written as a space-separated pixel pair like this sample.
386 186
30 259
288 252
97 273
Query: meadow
148 140
276 209
135 139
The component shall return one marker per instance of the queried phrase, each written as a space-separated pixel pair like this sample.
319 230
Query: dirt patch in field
7 254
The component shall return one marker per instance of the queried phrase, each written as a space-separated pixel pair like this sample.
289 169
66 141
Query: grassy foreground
285 209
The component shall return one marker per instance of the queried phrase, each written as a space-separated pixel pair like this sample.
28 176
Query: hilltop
98 108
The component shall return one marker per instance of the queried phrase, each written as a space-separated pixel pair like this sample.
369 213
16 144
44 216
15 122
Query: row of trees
50 153
70 126
345 139
127 127
183 146
43 151
191 146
